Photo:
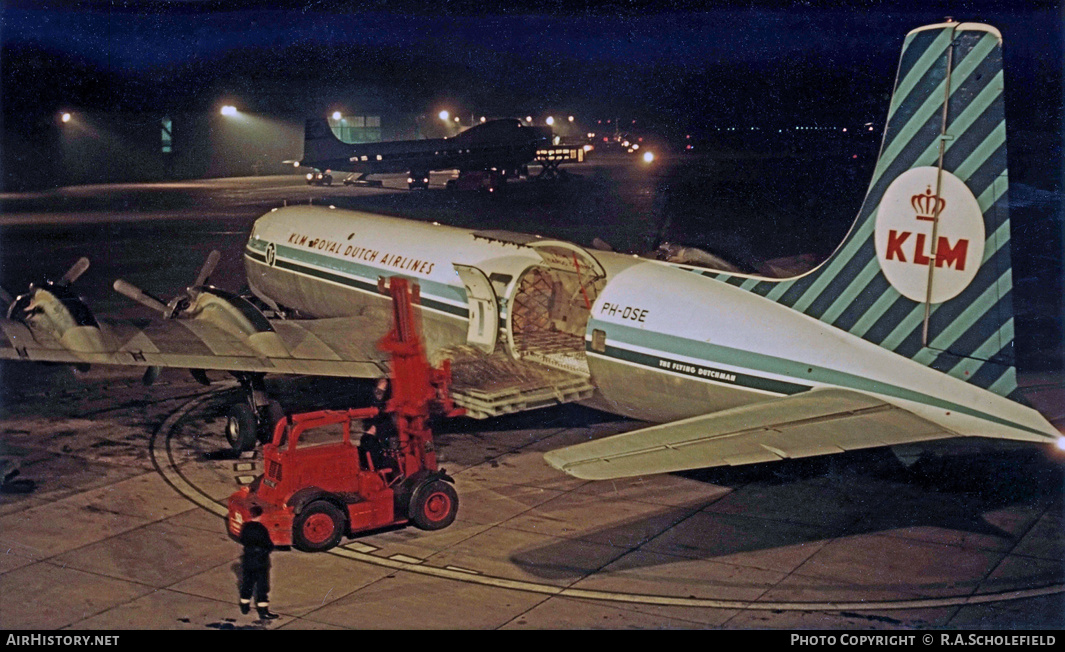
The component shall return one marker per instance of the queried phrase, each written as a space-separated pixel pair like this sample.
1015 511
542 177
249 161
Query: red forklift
311 496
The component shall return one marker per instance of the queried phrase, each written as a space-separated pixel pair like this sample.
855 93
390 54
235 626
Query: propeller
75 271
176 306
26 301
142 297
180 302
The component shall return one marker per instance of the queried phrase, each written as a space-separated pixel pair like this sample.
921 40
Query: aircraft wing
343 346
817 422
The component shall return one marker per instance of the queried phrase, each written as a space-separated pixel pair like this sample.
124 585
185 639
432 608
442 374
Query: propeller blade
208 268
75 271
138 295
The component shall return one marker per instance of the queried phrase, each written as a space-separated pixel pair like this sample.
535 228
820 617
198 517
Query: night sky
675 67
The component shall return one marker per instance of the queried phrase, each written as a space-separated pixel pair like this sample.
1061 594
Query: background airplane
502 147
904 335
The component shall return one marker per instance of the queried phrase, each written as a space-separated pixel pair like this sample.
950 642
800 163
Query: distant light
336 115
591 134
550 120
648 157
588 148
65 117
456 118
870 128
1060 443
444 115
229 110
636 146
528 119
295 164
571 118
482 118
844 130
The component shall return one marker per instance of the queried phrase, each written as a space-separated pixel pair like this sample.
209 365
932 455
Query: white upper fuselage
663 342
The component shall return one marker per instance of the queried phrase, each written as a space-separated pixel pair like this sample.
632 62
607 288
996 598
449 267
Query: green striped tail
935 215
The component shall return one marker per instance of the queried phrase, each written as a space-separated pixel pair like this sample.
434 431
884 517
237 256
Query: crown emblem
927 205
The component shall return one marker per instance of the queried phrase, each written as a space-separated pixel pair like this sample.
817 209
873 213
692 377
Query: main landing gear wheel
318 527
272 413
434 505
241 428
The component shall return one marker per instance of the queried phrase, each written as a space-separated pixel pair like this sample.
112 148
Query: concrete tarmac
124 529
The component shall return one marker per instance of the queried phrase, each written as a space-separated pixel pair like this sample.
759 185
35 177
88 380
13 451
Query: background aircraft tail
925 271
321 144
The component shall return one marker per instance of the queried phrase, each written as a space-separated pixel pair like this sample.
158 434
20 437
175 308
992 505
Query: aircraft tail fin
321 147
925 271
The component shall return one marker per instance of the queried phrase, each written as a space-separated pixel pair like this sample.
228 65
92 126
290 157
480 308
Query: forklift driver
378 439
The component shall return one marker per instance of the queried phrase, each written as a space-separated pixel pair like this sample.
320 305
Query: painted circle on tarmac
904 234
166 463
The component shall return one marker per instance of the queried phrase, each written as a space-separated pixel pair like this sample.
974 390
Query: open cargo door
568 257
483 308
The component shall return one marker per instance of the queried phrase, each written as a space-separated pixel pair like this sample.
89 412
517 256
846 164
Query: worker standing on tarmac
255 569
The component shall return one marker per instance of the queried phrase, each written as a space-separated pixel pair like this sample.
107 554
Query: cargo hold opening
549 314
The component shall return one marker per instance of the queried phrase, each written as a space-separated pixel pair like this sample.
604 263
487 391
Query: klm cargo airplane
904 335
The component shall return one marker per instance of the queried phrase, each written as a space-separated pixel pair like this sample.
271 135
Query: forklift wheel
318 527
434 505
241 430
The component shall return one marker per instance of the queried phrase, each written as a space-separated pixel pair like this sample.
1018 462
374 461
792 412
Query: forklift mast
419 391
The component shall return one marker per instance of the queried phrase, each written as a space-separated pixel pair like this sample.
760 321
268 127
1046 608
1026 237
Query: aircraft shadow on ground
876 494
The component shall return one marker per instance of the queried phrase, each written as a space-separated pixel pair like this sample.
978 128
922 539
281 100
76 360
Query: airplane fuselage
658 341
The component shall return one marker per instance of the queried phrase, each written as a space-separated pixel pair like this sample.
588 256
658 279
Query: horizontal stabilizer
817 422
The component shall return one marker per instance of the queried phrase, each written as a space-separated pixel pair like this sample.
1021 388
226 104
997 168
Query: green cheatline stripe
665 345
931 55
426 302
701 372
368 272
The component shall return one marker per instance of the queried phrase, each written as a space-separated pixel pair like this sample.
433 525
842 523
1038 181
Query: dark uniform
378 441
380 434
255 569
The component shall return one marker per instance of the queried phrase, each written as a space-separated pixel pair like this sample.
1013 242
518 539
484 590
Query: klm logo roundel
904 234
271 254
